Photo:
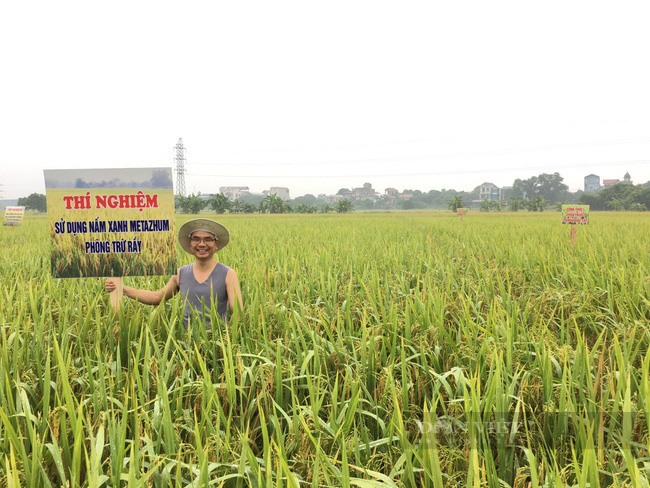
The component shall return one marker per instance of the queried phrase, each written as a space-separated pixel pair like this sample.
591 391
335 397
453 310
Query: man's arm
233 290
146 296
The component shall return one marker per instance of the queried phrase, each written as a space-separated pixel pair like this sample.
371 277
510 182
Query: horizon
377 189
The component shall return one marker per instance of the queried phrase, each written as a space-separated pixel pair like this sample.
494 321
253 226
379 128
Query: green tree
407 204
614 196
638 207
485 205
548 186
515 204
35 201
273 204
529 204
455 203
220 203
344 206
539 204
552 188
191 204
239 206
617 205
325 208
252 199
365 204
307 199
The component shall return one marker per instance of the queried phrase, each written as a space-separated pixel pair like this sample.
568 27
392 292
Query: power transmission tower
180 167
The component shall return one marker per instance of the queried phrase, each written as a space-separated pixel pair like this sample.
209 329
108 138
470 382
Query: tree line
534 194
272 204
619 197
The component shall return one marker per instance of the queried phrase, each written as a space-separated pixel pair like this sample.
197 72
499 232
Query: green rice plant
374 350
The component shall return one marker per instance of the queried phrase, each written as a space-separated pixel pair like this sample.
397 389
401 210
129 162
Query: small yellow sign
14 215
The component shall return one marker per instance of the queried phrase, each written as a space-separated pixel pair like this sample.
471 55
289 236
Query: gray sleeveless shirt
199 297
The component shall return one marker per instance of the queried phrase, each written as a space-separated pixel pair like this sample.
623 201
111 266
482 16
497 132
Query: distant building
280 191
336 198
405 196
391 195
345 195
365 192
592 183
627 180
490 191
234 192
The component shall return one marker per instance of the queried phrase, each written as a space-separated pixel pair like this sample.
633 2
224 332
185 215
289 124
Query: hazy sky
317 96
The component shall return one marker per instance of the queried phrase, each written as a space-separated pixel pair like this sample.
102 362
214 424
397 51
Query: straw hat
206 225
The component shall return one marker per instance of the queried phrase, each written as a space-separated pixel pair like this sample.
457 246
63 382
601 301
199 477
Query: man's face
203 244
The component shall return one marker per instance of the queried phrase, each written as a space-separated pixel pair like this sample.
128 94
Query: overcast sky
317 96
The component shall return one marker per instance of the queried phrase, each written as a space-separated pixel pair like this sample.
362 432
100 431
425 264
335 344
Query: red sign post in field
575 215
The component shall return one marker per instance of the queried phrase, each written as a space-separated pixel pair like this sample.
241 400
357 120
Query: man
201 283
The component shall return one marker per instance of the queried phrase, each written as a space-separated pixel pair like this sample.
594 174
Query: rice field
375 350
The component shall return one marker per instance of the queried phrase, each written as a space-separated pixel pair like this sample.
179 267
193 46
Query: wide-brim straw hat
206 225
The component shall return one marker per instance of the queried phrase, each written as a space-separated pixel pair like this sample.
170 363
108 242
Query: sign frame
111 222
